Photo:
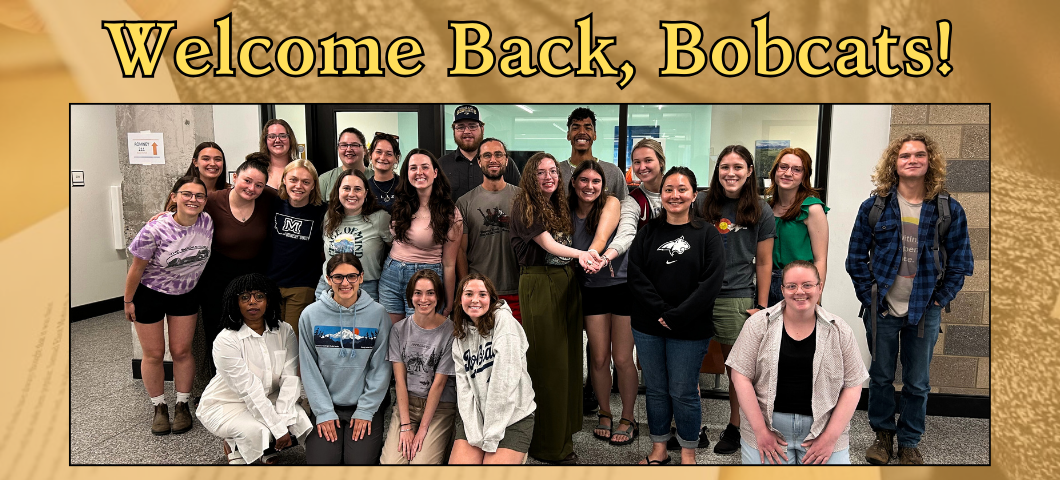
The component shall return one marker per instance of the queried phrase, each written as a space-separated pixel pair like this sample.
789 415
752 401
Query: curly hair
748 209
597 208
551 212
487 321
885 177
805 191
436 283
337 212
314 195
232 318
407 202
292 141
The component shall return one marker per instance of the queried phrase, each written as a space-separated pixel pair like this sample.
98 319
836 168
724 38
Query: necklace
384 197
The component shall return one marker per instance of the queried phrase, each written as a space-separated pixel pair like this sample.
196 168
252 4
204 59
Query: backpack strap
645 207
942 228
874 217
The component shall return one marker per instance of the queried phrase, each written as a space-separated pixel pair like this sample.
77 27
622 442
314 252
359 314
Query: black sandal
657 462
610 428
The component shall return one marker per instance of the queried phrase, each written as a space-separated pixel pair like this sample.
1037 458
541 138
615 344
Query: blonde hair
314 196
885 177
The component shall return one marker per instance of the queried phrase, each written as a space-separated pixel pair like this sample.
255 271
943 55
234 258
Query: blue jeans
371 287
794 428
775 293
671 381
894 335
395 278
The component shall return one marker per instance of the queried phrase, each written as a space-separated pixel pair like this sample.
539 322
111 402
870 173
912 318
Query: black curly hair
232 319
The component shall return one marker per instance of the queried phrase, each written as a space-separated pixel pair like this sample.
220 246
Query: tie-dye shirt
176 255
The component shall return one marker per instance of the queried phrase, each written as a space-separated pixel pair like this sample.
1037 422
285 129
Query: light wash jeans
794 428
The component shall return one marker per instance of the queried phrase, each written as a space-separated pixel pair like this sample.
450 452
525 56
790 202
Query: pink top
421 247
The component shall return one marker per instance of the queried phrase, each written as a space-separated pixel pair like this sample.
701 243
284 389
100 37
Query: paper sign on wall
146 148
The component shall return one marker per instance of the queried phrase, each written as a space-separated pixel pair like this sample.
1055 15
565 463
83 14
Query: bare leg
153 342
622 354
181 332
734 403
504 456
465 454
598 328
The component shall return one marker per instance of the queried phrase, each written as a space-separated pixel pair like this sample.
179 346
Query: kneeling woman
798 372
342 356
496 419
421 349
253 399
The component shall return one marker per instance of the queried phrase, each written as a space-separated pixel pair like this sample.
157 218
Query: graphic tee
176 255
487 216
424 353
365 238
295 233
898 296
741 247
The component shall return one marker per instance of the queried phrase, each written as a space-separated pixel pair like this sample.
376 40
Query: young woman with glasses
342 355
802 228
280 144
169 255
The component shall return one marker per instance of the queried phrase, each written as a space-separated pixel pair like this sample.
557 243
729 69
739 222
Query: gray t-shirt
741 246
424 353
489 248
898 296
581 240
614 179
365 239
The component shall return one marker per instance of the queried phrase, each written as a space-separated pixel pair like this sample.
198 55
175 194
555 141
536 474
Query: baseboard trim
167 366
96 309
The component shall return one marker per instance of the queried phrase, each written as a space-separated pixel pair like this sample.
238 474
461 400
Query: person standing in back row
461 166
581 132
906 266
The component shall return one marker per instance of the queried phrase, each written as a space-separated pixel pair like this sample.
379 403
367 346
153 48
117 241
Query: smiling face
421 172
210 163
352 192
190 199
646 164
588 186
733 171
492 159
468 135
278 147
249 184
677 195
383 156
424 298
547 176
252 305
801 298
351 151
789 172
299 184
344 288
581 133
912 160
475 299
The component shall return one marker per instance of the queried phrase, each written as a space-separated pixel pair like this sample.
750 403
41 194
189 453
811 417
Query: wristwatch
759 307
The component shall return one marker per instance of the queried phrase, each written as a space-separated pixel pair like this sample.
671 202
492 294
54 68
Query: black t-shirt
795 375
296 238
385 192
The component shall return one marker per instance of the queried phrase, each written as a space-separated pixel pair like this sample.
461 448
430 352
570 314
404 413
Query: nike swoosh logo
671 261
644 216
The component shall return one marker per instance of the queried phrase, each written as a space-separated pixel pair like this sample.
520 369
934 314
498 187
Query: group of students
663 267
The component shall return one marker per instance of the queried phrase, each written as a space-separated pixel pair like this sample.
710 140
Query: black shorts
603 300
152 306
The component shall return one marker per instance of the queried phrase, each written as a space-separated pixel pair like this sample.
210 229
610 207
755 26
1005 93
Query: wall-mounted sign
146 148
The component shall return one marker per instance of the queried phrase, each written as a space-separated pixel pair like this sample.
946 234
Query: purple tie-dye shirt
176 255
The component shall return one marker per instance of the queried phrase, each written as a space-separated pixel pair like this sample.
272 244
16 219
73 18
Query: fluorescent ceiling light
526 108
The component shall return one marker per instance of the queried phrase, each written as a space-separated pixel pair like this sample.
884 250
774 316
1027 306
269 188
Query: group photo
676 284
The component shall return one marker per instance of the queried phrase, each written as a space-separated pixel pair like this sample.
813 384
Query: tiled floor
110 416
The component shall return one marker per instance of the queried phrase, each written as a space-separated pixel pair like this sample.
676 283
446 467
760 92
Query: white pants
237 426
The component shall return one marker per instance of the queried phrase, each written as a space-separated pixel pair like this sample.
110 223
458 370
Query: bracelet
128 302
403 430
404 424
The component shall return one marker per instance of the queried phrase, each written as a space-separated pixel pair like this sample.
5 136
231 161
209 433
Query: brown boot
882 449
909 456
181 418
160 425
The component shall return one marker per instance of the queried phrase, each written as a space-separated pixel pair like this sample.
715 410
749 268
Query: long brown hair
805 191
749 208
593 218
487 321
885 177
337 213
292 142
220 184
407 201
552 213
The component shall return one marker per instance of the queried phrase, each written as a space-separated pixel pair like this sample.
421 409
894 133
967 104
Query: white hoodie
493 389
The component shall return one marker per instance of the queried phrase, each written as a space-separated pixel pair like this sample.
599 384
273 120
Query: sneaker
909 456
160 424
181 418
589 403
729 442
882 449
672 444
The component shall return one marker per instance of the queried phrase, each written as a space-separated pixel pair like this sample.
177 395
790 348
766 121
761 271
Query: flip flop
657 462
631 430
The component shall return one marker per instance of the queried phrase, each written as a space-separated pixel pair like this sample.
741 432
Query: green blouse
793 239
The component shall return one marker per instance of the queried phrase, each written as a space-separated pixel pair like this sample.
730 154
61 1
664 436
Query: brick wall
961 364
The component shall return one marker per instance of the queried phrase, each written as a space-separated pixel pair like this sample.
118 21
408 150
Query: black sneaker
589 403
672 444
729 442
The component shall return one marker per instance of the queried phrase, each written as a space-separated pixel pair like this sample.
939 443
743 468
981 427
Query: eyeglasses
246 296
783 168
470 127
186 195
338 277
791 287
274 136
347 146
547 173
490 156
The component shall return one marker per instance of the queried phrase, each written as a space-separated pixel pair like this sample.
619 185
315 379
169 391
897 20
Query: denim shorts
395 278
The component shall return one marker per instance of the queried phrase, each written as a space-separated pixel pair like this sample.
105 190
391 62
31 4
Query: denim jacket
886 255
